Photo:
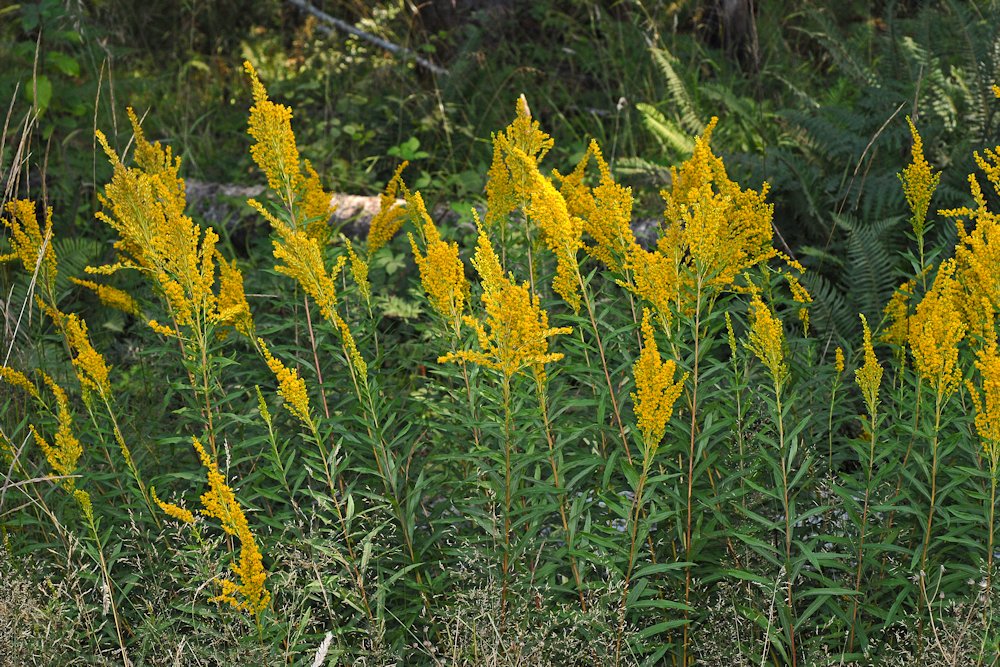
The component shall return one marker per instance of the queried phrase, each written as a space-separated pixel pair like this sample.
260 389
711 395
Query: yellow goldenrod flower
869 376
767 339
91 370
111 297
275 152
391 214
655 389
30 243
18 379
654 279
302 260
359 271
838 360
83 498
507 183
515 332
442 272
291 387
987 401
919 183
897 314
171 510
250 594
936 329
270 125
726 229
730 335
65 451
233 307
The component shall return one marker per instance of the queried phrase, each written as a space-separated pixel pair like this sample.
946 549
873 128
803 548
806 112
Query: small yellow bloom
869 376
726 229
91 370
18 379
111 297
219 502
654 278
919 183
270 125
64 454
291 387
514 334
936 329
897 314
767 339
838 361
655 389
83 498
987 401
232 303
359 271
391 214
442 272
31 244
171 510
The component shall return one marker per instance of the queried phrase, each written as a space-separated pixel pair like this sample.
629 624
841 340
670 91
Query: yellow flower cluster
145 205
869 376
897 314
988 401
919 183
838 360
359 271
112 297
18 379
219 502
391 213
605 211
508 182
233 308
65 450
91 370
442 272
514 334
291 387
767 339
171 510
936 329
726 229
655 389
29 242
561 233
275 152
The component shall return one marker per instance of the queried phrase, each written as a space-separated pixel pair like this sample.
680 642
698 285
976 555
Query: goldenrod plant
556 444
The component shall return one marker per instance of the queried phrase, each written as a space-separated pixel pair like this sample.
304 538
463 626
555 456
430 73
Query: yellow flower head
515 332
291 387
654 279
507 183
919 183
359 271
442 272
767 339
270 125
30 243
987 401
655 389
233 309
869 376
83 499
838 361
91 370
561 233
897 314
219 502
18 379
936 329
112 297
726 229
391 213
171 510
64 454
